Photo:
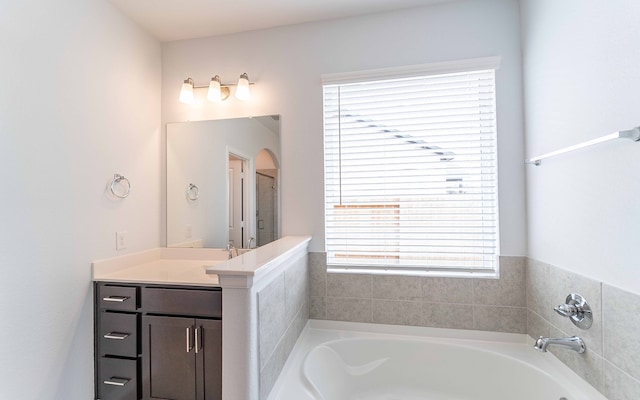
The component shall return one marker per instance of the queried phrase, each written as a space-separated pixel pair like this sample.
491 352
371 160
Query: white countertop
196 267
177 272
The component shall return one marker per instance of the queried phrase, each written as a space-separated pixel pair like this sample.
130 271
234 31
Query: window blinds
410 174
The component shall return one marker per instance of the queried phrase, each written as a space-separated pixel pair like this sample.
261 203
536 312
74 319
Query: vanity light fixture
242 91
186 93
217 91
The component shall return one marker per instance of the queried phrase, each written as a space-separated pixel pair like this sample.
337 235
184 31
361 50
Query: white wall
80 101
286 64
582 81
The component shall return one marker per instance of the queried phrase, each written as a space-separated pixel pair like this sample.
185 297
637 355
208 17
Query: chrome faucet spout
573 343
233 252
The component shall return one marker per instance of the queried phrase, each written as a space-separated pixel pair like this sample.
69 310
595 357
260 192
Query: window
410 173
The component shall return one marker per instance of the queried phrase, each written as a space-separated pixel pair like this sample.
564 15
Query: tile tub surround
461 303
611 363
283 311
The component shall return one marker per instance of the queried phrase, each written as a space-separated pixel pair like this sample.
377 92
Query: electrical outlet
121 240
188 231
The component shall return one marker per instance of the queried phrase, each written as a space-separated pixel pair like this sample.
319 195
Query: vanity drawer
118 334
121 298
118 379
192 302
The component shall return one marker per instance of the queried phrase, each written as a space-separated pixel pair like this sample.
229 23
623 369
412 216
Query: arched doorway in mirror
267 202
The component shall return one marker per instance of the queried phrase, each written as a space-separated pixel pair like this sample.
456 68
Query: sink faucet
233 252
574 343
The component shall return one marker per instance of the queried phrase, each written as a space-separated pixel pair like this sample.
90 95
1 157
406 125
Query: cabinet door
168 361
209 359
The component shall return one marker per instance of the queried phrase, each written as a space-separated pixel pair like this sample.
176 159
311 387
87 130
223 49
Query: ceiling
170 20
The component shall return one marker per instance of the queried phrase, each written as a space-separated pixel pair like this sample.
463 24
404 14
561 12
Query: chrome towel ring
117 179
192 192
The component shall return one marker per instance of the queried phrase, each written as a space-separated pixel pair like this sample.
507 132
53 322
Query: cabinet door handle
116 381
197 341
189 347
116 299
116 335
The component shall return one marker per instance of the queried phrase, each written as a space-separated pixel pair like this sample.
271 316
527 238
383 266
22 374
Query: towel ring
192 192
117 178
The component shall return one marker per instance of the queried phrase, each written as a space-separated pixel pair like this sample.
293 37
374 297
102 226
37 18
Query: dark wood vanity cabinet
158 342
181 356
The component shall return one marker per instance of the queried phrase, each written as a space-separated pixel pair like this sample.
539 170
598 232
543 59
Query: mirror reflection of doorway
265 208
267 228
237 200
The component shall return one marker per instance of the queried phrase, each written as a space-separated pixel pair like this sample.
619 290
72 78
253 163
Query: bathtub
355 361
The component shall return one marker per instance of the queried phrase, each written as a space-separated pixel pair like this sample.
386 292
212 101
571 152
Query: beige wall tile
271 317
537 286
618 385
354 310
622 329
442 315
296 292
318 274
397 312
349 285
271 370
316 308
509 290
397 287
500 319
536 325
447 290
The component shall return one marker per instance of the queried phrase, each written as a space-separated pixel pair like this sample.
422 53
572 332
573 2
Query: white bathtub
352 361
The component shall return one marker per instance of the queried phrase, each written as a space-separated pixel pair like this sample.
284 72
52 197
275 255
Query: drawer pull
116 299
116 381
116 335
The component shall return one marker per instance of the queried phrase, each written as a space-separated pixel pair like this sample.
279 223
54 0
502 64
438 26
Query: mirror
223 182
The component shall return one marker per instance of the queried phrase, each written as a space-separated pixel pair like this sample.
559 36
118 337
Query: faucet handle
566 310
577 310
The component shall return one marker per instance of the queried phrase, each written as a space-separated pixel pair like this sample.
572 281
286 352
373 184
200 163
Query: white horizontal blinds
410 173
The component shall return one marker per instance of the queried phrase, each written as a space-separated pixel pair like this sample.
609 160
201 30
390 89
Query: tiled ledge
462 303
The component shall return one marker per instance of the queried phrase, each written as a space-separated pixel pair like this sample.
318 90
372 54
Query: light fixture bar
221 85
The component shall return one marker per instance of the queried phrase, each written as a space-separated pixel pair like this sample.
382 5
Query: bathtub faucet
574 343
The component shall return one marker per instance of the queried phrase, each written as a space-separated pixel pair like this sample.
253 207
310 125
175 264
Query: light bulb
242 90
214 89
186 93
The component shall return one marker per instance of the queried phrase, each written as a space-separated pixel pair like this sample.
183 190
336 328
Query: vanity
181 323
170 333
